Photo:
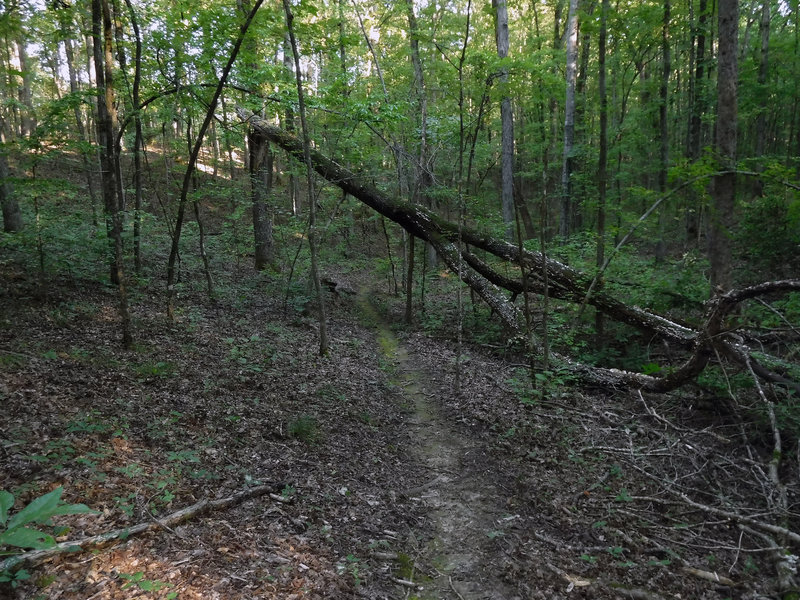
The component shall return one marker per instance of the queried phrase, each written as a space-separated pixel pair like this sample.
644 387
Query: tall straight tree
696 111
65 18
506 120
602 159
724 184
422 173
663 115
106 130
565 225
260 165
138 142
763 67
312 202
12 216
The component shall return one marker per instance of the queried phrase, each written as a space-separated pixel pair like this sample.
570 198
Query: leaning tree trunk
563 282
190 168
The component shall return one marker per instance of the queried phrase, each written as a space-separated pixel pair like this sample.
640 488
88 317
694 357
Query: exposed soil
386 484
462 504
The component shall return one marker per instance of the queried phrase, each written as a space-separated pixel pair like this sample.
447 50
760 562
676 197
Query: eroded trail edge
454 548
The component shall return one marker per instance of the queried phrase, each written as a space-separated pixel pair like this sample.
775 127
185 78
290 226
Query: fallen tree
713 339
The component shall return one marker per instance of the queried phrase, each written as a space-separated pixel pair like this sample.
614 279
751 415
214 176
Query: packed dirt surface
461 501
380 480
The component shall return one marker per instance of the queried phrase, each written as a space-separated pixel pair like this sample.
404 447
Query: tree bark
761 120
138 142
724 185
74 88
602 159
506 122
312 203
106 121
565 225
12 216
294 185
697 109
663 97
261 163
28 120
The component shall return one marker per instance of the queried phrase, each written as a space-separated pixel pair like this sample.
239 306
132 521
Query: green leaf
72 509
6 502
22 537
38 510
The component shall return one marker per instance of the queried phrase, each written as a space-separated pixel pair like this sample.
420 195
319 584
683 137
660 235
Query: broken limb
37 557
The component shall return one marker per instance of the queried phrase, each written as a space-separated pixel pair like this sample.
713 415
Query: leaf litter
386 483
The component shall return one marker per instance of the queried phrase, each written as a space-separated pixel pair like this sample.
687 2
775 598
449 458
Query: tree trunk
138 142
88 165
12 216
28 120
698 107
724 186
190 168
294 184
506 120
312 203
663 97
106 123
260 164
563 281
565 225
761 120
602 160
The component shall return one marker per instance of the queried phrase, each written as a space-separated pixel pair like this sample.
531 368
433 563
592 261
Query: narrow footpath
453 553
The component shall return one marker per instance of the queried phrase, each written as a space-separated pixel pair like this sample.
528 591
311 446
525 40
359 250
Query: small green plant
16 535
623 496
156 369
589 559
146 585
352 568
90 422
616 551
304 428
750 566
127 504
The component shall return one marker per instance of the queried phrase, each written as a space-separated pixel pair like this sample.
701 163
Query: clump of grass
305 428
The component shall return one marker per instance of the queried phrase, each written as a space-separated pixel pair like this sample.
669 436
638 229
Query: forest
419 299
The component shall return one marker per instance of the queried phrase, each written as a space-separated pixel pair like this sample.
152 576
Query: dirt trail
455 553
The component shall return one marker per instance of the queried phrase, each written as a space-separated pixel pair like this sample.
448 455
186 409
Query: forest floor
385 483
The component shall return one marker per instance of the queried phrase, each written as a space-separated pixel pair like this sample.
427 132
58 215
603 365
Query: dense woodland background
606 194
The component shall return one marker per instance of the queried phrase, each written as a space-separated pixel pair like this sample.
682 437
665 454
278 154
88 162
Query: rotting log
564 282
